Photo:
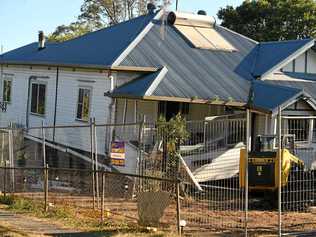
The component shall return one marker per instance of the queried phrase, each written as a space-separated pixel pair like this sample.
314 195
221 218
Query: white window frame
77 104
311 128
3 95
38 83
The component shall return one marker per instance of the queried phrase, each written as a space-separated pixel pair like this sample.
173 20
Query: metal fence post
11 156
140 152
140 143
46 188
5 179
280 171
246 171
96 162
102 195
92 161
178 206
44 144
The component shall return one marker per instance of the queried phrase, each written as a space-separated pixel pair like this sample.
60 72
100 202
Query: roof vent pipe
202 12
151 8
41 40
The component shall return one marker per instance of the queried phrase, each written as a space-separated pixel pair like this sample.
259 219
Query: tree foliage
173 133
74 30
96 14
266 20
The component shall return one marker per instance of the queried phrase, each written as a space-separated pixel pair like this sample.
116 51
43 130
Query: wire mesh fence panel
203 154
298 176
4 157
71 187
212 153
24 182
147 201
68 147
121 146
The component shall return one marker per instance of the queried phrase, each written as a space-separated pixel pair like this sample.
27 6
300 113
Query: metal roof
99 48
192 72
225 165
268 56
269 97
271 54
141 86
188 72
309 87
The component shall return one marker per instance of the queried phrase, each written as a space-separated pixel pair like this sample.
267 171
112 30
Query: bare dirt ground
200 220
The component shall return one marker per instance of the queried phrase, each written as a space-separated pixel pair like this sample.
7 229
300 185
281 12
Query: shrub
6 200
22 205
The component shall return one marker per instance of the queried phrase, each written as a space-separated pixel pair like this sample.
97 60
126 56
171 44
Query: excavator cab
263 163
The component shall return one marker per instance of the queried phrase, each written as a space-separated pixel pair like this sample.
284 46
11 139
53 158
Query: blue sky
20 20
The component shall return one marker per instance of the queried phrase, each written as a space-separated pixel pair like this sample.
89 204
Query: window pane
34 98
79 111
300 128
80 98
41 99
7 91
86 105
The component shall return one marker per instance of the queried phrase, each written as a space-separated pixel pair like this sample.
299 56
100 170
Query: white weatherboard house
144 67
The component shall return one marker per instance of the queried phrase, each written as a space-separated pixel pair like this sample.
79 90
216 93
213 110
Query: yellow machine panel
263 169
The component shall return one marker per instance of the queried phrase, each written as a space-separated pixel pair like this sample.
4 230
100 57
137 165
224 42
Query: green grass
73 218
6 200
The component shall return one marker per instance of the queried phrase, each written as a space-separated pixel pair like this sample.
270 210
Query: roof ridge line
138 38
285 41
254 64
156 81
236 33
101 29
279 86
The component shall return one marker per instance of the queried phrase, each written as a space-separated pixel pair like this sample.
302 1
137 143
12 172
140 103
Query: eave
178 99
83 66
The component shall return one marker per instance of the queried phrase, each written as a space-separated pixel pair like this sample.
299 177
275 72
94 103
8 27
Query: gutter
178 99
83 66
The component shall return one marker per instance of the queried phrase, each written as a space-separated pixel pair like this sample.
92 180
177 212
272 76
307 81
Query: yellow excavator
263 166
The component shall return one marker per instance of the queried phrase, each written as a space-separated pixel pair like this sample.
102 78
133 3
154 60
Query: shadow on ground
85 234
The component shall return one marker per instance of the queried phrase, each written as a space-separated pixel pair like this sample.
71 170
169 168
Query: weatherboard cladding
192 72
100 48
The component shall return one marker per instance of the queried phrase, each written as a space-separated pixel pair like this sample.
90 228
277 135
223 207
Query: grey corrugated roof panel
193 72
101 47
225 165
138 87
269 96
